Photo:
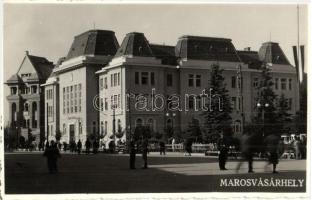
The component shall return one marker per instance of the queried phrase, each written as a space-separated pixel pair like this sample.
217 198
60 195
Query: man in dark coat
145 152
247 150
162 147
223 152
52 154
272 146
87 146
79 146
132 154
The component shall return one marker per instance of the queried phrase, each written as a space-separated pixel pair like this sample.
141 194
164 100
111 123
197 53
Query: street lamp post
263 106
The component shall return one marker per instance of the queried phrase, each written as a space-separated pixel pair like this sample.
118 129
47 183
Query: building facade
26 98
73 86
141 72
101 88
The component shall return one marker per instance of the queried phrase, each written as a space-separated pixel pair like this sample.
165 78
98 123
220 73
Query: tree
194 131
266 98
217 118
283 117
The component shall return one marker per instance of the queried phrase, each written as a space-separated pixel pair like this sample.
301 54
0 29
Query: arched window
26 107
119 125
139 122
34 113
13 114
101 127
150 124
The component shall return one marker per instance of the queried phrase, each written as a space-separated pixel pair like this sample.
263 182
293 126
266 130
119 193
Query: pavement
26 173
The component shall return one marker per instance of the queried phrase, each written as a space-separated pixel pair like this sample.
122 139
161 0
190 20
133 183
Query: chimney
27 53
247 49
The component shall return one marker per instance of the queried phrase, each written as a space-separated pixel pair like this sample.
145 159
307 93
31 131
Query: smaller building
26 98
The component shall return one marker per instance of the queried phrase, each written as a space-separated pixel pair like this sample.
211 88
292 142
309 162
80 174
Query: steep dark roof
251 58
165 53
271 52
135 44
42 66
94 42
206 48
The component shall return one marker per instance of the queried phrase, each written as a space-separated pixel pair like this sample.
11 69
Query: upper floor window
13 90
152 78
198 81
276 83
169 80
283 83
190 80
290 84
255 82
137 78
233 82
101 84
144 78
105 83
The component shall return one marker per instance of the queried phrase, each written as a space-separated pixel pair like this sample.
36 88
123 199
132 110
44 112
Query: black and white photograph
141 99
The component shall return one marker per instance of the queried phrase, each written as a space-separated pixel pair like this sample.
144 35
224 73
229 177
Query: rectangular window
233 103
119 100
119 78
283 83
255 82
233 82
101 104
290 103
137 78
115 79
169 80
198 81
191 102
152 78
101 84
111 80
105 83
290 84
276 83
190 80
106 104
144 78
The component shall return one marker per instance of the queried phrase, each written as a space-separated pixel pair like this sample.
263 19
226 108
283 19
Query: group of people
249 145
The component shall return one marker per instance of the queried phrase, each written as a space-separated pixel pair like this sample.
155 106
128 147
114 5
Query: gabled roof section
165 53
271 52
94 42
206 48
135 44
42 66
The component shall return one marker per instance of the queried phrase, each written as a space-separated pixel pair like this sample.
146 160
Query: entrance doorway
72 132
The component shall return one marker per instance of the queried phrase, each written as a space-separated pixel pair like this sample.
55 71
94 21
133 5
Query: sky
48 29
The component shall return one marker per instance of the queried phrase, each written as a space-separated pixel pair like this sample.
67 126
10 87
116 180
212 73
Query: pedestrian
162 147
173 144
132 154
87 146
65 146
95 147
52 154
223 152
145 152
79 146
303 148
247 152
188 146
272 146
297 147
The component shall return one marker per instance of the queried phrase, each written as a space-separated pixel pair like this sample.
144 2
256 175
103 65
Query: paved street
26 173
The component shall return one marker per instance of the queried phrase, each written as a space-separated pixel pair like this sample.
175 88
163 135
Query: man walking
87 146
79 146
223 152
162 147
247 152
52 154
272 145
132 154
145 152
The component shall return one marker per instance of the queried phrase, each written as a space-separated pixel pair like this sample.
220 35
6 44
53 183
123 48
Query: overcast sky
48 29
